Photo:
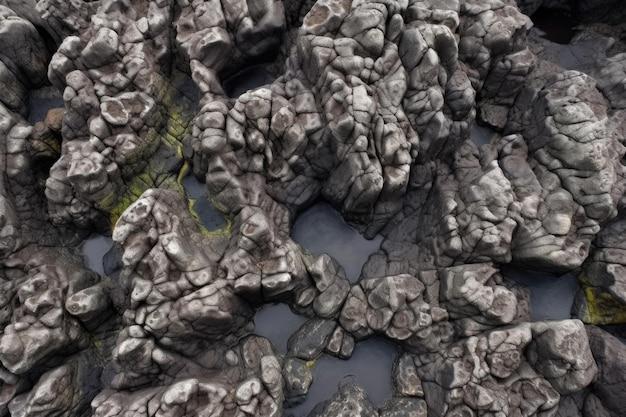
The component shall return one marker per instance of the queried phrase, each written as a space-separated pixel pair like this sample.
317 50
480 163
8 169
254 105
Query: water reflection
370 364
210 218
551 296
321 229
94 249
277 322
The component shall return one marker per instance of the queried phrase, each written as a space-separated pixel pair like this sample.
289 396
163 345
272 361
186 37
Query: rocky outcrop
122 124
374 111
608 385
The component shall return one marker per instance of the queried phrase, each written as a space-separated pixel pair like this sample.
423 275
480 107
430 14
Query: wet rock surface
463 142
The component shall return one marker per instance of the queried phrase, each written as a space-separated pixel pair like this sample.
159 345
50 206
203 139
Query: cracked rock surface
369 106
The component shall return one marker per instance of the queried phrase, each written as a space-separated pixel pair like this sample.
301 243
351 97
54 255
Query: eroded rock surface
371 112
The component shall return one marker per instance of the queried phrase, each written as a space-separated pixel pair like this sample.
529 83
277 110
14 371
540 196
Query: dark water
481 135
370 365
556 25
277 322
40 102
248 79
321 229
209 216
94 249
551 296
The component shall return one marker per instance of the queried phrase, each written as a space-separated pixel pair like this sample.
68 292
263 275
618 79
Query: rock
608 353
350 399
604 291
23 50
39 325
560 351
406 380
404 407
371 110
298 378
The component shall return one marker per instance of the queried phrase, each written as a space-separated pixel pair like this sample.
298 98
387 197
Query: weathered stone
350 399
560 352
311 339
371 107
298 377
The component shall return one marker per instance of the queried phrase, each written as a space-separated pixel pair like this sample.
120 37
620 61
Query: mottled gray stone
40 326
404 407
311 339
608 385
298 377
560 352
372 112
349 400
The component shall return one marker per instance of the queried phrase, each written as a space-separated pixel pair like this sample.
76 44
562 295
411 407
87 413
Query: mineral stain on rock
208 215
373 122
94 250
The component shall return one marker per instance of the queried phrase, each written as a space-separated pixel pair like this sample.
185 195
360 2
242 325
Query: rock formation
374 110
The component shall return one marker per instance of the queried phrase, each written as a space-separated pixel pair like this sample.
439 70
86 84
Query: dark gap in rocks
207 214
617 330
51 44
41 167
551 296
247 79
610 12
112 261
188 94
295 12
369 366
40 101
557 25
481 134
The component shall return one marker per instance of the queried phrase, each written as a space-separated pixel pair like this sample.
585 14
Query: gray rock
372 112
39 325
311 339
406 379
560 351
298 378
608 385
23 50
349 400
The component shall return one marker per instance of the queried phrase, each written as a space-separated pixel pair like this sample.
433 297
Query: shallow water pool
370 365
321 229
551 296
93 250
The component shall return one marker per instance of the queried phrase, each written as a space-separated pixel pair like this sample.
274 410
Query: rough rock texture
374 110
608 385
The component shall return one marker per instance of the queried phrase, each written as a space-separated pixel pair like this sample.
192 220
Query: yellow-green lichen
162 149
599 306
